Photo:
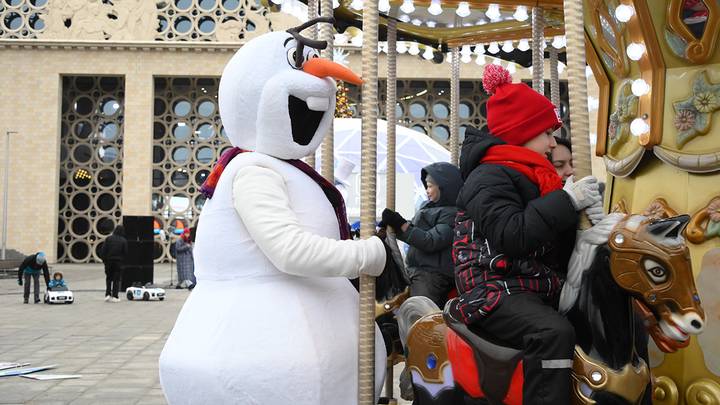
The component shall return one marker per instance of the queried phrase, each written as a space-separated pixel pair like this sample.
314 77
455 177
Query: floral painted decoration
626 108
694 114
705 224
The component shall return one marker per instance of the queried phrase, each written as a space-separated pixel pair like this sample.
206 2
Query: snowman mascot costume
273 319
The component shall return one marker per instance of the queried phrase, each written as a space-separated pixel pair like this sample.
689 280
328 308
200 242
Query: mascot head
277 96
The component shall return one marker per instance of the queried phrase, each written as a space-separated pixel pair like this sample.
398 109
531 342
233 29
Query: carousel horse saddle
481 366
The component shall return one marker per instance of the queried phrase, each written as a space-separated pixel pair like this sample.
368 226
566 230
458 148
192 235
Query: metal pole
391 100
368 173
5 191
312 12
454 105
538 34
555 82
327 155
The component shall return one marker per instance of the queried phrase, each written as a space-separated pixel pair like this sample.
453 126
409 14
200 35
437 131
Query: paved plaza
114 346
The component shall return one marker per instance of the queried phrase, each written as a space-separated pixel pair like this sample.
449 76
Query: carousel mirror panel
90 186
188 138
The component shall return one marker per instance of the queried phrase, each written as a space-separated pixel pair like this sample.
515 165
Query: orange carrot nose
326 68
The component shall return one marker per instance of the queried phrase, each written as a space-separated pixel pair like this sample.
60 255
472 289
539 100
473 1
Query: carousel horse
628 276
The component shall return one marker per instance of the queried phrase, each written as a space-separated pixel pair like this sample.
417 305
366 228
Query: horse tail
410 311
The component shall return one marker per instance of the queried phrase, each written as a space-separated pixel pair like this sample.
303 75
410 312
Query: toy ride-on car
59 295
145 292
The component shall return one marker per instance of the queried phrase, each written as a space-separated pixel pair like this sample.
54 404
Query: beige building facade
108 117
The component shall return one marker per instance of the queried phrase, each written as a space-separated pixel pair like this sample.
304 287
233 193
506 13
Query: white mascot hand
595 212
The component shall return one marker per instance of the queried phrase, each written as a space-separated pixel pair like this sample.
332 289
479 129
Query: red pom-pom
495 76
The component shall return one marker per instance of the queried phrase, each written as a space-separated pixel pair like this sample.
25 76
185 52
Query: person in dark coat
31 268
430 233
185 260
113 254
515 231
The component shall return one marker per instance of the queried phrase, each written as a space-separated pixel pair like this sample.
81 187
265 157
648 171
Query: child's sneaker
107 298
115 299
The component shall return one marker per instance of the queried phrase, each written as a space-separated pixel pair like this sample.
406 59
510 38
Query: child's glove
393 219
20 282
584 193
595 212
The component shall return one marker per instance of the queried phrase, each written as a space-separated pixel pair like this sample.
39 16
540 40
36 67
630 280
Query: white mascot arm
260 198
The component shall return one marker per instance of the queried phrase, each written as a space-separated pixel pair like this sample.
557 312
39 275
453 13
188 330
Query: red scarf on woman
534 166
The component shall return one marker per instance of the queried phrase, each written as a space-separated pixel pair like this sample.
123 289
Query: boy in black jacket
31 267
515 232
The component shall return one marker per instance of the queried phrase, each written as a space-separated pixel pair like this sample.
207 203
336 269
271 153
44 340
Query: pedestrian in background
31 267
185 265
113 255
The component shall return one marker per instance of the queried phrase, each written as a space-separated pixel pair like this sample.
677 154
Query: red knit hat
515 112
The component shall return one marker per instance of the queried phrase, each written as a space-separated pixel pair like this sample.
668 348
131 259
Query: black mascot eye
291 58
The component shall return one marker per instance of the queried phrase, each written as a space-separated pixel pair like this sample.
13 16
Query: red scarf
533 165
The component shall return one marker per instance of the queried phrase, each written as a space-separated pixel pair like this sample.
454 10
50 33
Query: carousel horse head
650 260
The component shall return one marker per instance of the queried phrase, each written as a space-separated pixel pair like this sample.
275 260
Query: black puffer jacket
430 234
507 237
115 247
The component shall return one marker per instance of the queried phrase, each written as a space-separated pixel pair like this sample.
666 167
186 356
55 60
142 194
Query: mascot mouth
305 121
668 336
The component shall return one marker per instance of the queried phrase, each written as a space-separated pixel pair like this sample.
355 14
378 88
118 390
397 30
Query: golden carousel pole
327 155
390 101
538 35
454 105
555 82
312 12
368 173
577 87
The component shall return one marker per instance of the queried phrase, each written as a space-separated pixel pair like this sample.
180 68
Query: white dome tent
415 150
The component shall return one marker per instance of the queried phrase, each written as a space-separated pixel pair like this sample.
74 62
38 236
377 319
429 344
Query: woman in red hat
516 231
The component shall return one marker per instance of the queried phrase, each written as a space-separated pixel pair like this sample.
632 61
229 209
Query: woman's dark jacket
430 234
507 237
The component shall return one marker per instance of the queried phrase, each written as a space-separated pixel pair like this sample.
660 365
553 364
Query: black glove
393 219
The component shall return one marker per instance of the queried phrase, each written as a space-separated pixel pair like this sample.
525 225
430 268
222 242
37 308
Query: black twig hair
304 41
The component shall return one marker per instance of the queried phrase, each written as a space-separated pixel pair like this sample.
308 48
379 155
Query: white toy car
145 293
59 295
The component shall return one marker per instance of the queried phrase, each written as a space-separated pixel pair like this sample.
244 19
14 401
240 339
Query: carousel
656 67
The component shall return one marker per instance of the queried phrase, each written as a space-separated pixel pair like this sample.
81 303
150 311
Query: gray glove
595 212
584 193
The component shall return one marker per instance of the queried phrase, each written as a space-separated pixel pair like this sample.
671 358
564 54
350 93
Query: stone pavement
114 346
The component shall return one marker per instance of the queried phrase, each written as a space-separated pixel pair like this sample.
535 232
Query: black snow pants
524 321
113 275
433 285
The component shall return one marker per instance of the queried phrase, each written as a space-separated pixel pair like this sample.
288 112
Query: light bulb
481 60
479 49
357 40
640 87
638 126
407 7
560 67
435 8
428 54
465 50
431 24
523 45
558 42
521 13
384 6
493 48
463 9
401 47
466 58
493 12
497 61
508 46
416 21
635 51
336 4
414 49
624 12
357 4
511 68
404 18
